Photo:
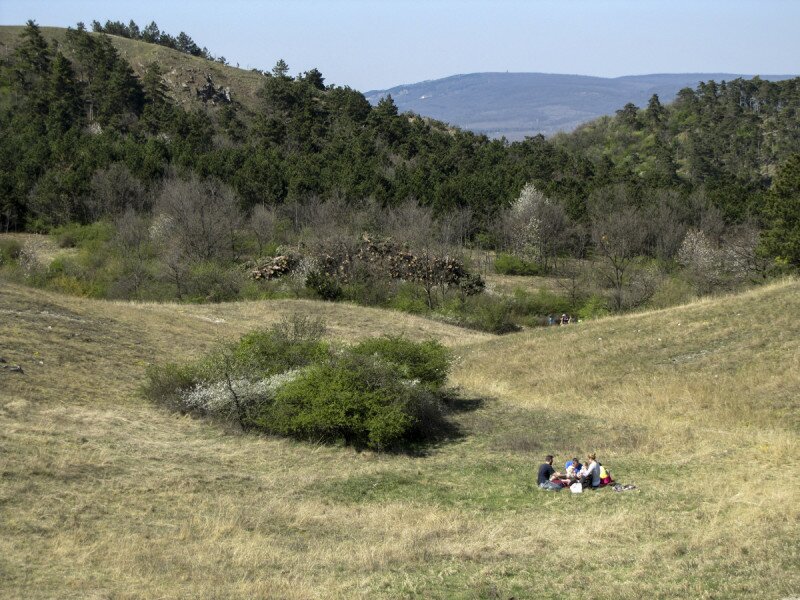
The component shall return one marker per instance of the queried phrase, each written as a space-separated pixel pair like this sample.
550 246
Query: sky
379 44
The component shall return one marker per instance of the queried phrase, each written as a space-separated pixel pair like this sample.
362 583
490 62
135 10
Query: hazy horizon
372 46
627 75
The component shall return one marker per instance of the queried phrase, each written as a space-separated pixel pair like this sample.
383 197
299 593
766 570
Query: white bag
576 488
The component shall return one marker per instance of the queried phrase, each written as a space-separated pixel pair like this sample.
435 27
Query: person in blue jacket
572 468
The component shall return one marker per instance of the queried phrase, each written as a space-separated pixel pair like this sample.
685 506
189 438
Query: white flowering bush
29 260
227 400
161 228
382 394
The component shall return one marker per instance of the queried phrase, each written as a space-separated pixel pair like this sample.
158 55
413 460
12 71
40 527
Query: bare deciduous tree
619 238
723 265
411 224
666 218
203 217
176 267
742 258
133 239
454 227
114 190
261 224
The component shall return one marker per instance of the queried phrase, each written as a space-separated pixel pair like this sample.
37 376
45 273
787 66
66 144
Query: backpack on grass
605 476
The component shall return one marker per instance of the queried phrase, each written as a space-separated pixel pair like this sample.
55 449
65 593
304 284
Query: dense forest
714 174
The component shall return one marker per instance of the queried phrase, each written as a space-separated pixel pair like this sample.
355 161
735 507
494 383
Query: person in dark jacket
546 473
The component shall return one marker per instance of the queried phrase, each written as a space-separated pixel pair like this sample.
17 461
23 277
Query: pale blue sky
373 45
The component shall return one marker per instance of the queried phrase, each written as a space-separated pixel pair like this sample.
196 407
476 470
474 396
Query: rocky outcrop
215 95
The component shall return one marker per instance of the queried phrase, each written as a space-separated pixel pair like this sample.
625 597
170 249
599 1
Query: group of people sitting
564 319
590 474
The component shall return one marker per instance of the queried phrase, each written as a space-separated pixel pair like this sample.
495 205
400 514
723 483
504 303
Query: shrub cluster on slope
383 393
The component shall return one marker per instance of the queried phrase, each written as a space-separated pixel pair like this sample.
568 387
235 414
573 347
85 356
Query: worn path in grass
103 495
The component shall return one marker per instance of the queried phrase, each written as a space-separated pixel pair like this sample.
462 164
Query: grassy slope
103 495
183 73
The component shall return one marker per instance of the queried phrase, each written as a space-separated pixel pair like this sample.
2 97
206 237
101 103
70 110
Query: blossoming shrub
382 393
231 379
353 398
234 399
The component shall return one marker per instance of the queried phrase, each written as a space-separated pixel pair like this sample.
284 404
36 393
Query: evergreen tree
655 114
157 110
133 30
629 115
64 97
32 56
782 235
151 33
281 69
314 78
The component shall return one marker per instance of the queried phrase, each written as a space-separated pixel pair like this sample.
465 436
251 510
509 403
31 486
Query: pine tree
64 97
33 54
281 69
782 236
157 107
655 114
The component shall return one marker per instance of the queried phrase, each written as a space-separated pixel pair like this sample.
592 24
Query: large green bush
75 235
509 264
594 307
482 312
529 306
409 298
291 344
381 393
166 383
325 286
360 400
211 281
426 362
10 251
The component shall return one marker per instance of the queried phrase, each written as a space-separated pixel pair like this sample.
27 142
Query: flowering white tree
726 264
536 226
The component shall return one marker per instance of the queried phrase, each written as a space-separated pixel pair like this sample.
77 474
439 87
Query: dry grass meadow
105 496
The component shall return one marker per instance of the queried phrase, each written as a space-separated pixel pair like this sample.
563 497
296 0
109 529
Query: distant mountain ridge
516 105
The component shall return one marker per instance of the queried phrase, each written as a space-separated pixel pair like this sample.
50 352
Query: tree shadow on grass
437 427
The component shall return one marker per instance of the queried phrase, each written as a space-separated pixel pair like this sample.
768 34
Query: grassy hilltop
183 73
103 495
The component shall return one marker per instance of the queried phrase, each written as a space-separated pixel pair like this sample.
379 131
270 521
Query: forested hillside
710 183
66 118
520 105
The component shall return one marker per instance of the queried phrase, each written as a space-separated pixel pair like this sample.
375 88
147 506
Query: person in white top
590 473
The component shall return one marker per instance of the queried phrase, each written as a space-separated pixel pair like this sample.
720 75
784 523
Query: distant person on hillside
590 473
547 473
564 319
